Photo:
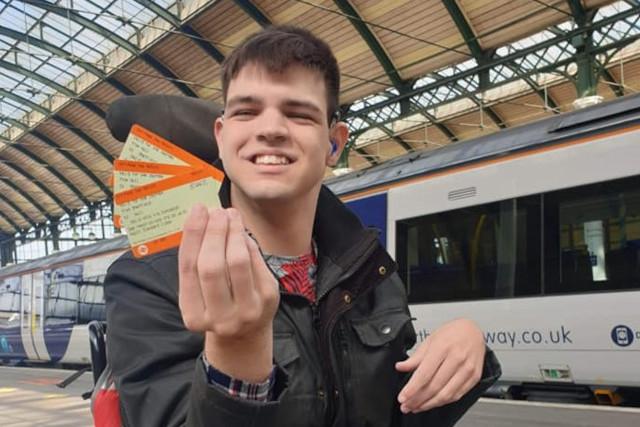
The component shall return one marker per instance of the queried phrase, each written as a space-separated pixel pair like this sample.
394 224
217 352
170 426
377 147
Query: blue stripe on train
11 347
56 338
372 211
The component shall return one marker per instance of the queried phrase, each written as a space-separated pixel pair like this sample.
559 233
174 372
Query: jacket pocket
372 383
380 330
299 405
285 349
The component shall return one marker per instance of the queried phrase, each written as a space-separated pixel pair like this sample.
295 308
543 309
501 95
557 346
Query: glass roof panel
61 28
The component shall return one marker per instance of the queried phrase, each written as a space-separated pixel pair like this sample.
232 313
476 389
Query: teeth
271 160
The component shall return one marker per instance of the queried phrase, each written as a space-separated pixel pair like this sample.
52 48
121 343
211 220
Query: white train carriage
46 304
533 232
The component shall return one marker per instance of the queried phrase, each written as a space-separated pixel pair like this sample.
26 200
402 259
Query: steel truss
554 55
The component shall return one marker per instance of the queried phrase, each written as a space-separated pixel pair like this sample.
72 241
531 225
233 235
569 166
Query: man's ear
217 132
339 134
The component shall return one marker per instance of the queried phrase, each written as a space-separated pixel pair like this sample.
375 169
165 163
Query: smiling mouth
270 159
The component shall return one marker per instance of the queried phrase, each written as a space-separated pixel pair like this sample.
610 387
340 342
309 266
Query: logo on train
622 335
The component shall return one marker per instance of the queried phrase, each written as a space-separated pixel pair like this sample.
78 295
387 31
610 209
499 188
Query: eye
301 116
243 113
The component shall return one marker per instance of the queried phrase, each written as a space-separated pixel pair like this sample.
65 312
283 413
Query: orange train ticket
154 194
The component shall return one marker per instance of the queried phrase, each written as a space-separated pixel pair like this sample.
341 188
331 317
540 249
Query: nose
272 126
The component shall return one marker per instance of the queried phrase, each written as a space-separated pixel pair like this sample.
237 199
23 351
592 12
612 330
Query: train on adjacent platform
533 232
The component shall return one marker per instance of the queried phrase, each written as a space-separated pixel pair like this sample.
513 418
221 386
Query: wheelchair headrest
185 122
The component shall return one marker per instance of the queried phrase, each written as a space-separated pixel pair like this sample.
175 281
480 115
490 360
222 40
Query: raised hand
228 292
445 367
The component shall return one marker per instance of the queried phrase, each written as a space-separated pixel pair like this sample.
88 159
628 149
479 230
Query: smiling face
274 138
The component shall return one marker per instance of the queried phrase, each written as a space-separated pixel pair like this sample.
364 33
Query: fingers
453 391
427 389
212 264
429 364
225 286
266 284
239 260
190 296
413 361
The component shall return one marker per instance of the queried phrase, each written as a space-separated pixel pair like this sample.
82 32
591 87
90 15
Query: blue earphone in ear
334 147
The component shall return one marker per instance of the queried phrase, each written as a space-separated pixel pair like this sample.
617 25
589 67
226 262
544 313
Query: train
533 232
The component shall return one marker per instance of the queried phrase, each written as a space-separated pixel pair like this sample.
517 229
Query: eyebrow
242 100
290 103
302 104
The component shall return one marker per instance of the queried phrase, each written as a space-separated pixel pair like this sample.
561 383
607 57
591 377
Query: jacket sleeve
154 359
449 415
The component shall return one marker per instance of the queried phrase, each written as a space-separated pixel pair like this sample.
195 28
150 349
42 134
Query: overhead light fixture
75 235
92 235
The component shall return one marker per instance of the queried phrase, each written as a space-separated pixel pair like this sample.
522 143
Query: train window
486 251
592 240
91 304
62 294
9 297
62 302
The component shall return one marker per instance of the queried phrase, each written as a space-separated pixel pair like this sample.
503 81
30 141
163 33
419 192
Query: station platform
29 397
511 413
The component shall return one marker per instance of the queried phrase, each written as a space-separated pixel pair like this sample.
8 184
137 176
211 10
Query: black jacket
335 360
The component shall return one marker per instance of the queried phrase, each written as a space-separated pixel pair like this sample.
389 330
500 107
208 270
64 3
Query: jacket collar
338 232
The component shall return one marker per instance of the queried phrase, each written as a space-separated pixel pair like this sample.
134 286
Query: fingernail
198 209
402 398
197 214
404 409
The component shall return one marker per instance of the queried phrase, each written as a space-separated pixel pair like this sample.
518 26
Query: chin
269 193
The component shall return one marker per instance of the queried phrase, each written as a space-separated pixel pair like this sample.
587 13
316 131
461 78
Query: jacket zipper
325 350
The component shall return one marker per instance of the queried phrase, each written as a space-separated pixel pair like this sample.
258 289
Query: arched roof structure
416 74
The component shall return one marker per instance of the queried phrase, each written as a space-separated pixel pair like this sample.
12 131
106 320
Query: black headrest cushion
185 122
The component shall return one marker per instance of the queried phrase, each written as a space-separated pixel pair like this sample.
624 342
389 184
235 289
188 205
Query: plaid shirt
297 276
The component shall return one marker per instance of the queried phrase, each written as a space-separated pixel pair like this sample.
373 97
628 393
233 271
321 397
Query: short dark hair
278 47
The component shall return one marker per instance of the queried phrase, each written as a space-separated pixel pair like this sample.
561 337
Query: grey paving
500 413
29 397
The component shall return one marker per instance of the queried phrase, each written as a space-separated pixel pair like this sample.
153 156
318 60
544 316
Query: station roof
416 75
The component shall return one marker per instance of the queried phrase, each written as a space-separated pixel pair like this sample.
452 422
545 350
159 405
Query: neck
280 228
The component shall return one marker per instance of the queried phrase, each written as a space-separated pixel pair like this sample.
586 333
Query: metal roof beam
16 227
544 67
612 83
464 28
381 55
51 48
27 196
61 53
74 129
116 39
17 169
77 163
197 38
441 126
54 85
389 133
481 56
578 12
253 11
75 190
16 146
546 97
16 208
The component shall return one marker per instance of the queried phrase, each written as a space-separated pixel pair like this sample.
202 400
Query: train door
31 317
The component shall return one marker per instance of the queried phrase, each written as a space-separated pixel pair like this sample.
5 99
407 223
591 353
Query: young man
280 309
